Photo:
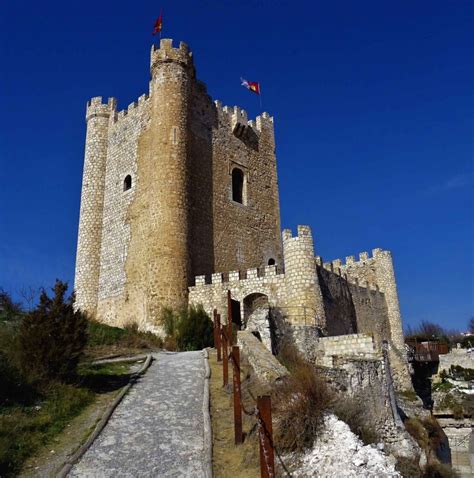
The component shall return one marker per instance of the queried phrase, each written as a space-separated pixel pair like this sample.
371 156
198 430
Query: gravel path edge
103 421
207 459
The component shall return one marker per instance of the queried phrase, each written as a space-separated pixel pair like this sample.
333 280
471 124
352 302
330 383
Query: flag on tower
158 24
253 86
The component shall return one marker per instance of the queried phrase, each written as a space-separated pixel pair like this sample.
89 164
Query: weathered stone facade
315 298
177 186
158 205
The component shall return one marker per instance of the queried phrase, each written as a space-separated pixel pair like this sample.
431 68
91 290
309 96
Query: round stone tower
163 175
303 293
92 201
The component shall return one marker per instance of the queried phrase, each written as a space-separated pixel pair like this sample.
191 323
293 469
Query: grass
107 340
27 427
227 457
24 429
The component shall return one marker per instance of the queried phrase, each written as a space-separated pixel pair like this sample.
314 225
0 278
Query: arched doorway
257 319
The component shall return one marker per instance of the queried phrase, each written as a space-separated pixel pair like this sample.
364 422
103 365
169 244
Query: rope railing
262 410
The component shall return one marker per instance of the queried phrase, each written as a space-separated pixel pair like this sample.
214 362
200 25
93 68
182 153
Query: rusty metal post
219 338
265 436
229 318
225 357
214 313
237 396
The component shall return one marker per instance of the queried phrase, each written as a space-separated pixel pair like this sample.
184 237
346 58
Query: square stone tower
174 186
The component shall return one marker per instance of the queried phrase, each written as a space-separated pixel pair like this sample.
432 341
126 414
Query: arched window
271 261
238 185
127 182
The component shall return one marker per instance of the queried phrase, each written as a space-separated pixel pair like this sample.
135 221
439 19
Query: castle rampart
168 209
178 186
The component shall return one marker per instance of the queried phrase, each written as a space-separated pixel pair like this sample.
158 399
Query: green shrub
9 310
461 373
102 334
189 329
52 337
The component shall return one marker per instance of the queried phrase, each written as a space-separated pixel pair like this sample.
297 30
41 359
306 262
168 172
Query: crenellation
350 260
252 273
234 276
217 278
160 214
200 280
270 271
363 256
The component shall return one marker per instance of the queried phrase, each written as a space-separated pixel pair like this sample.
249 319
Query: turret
304 297
92 202
166 178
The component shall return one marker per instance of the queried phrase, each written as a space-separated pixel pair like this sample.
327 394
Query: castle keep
180 204
174 186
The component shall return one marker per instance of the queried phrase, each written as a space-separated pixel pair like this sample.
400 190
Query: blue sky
373 110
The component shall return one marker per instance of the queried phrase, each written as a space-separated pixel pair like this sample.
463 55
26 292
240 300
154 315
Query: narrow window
237 185
271 261
127 182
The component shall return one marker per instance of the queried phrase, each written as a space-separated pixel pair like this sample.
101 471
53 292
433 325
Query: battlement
167 53
350 261
95 107
304 235
236 115
234 276
132 108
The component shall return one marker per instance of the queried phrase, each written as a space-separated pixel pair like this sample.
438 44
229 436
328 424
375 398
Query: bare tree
29 295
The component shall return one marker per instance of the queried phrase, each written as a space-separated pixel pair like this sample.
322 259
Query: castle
176 189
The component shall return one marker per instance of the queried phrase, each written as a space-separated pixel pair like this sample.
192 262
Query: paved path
157 429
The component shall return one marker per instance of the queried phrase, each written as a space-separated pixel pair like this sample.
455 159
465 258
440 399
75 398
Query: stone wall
375 314
92 200
139 250
354 345
458 357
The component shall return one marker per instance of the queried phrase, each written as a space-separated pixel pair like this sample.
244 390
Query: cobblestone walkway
157 429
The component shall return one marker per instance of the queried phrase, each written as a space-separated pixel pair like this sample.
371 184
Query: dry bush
299 403
415 428
408 467
438 470
354 412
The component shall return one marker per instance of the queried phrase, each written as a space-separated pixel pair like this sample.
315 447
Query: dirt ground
230 460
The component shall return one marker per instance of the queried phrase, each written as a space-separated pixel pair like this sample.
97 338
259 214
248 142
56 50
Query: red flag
158 24
253 86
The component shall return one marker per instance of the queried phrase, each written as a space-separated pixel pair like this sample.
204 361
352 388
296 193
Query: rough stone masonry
177 187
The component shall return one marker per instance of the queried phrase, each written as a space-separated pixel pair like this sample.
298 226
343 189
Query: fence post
225 357
265 436
237 397
229 318
214 313
218 336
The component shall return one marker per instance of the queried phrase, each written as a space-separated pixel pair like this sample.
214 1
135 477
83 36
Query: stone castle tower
173 187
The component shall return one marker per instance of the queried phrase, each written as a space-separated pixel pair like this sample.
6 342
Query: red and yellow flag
158 24
253 86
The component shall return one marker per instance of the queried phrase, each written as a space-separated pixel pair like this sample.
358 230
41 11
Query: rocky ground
338 452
